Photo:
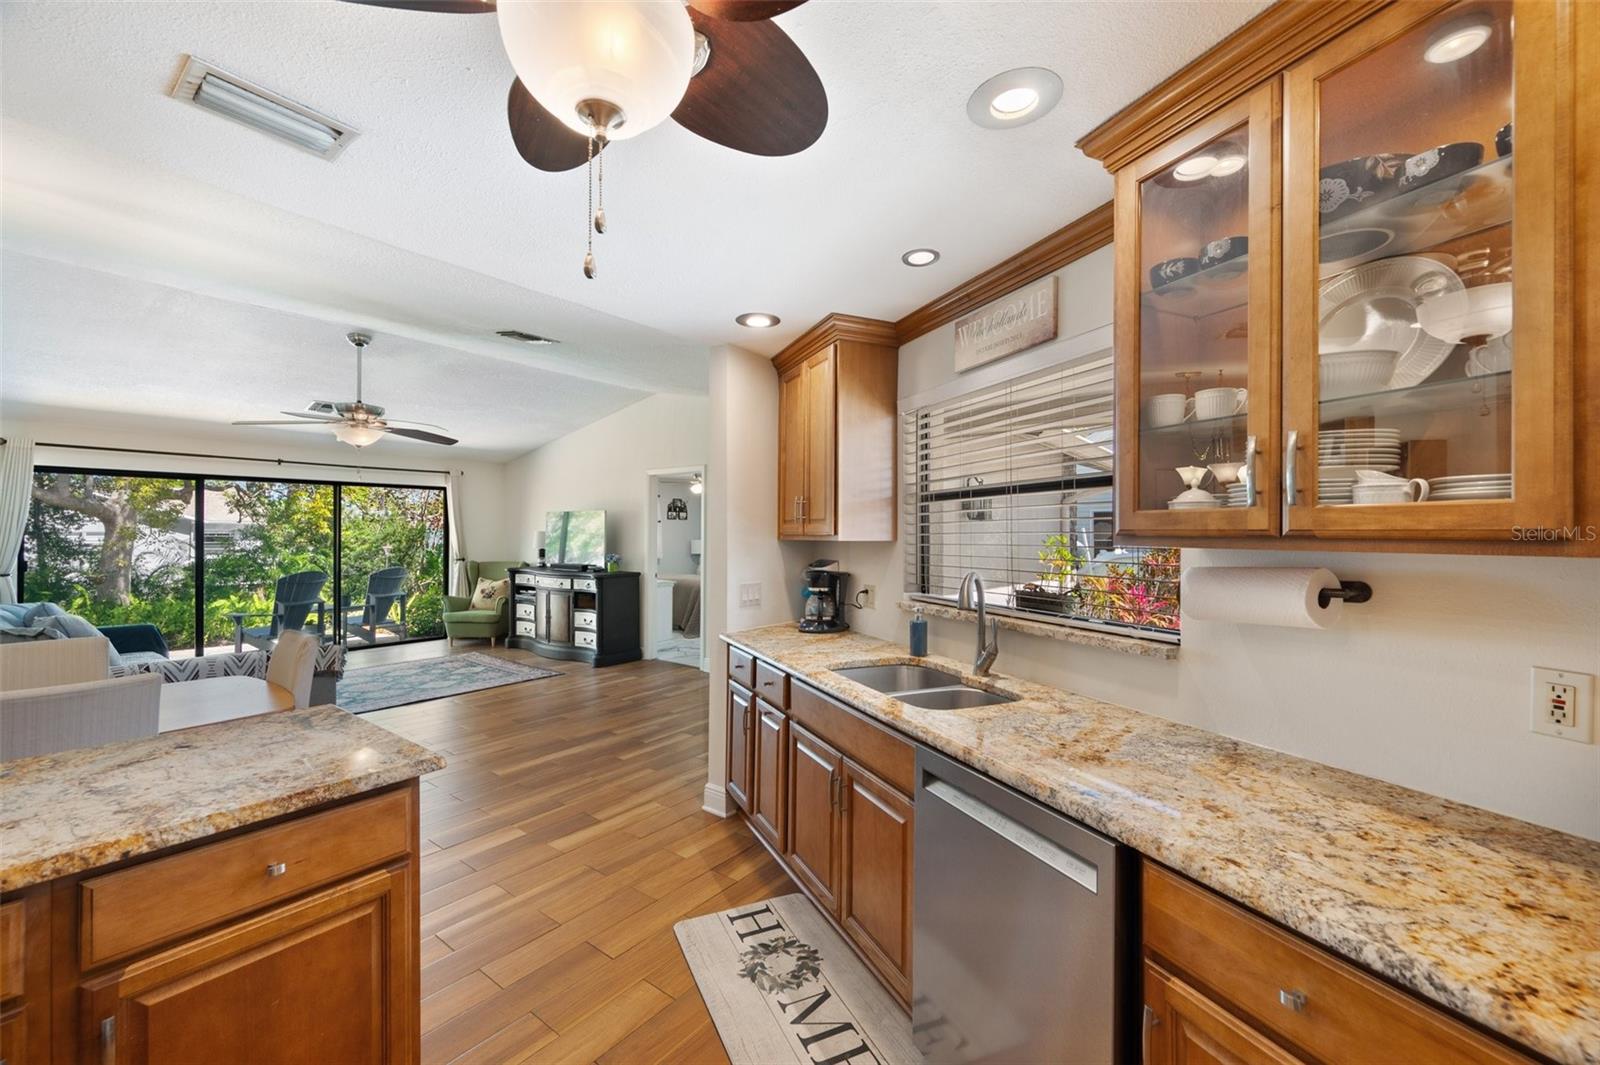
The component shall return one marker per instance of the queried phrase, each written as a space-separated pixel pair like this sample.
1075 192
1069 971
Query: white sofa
56 695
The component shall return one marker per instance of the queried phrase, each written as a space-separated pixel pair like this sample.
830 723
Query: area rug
782 986
377 687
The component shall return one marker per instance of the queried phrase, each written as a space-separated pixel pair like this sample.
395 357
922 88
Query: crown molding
833 328
1256 51
1072 241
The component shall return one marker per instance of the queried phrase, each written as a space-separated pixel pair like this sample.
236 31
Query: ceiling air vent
526 338
247 103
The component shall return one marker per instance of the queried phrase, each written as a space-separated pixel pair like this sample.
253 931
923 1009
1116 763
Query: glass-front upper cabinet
1423 353
1197 400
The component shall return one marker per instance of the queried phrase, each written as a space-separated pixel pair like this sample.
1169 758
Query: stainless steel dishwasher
1021 937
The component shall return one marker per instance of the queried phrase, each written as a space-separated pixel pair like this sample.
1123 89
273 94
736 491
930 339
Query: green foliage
1143 593
1060 562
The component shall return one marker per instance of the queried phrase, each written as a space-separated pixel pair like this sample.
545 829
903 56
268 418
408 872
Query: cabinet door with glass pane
1197 321
1426 360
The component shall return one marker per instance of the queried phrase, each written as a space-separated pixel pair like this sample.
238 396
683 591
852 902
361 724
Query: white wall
741 527
603 466
1426 686
482 492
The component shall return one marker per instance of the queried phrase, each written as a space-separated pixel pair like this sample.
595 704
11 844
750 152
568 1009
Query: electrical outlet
1562 704
869 596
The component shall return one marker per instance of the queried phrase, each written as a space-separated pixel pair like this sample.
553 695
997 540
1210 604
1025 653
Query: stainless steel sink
958 698
894 679
924 686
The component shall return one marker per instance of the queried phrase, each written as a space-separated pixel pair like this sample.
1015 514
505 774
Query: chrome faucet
970 597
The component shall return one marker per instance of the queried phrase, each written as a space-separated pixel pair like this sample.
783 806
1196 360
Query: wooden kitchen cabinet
741 731
816 775
837 387
1323 213
767 785
875 889
1222 984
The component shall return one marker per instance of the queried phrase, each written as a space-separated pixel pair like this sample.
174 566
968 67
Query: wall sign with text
1015 322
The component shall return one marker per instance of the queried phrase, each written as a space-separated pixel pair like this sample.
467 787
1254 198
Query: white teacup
1219 402
1412 491
1169 408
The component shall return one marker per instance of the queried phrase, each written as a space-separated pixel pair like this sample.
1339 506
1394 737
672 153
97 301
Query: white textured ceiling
429 225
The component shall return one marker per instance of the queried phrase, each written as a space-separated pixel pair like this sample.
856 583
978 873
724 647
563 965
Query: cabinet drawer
526 628
13 925
147 904
530 611
741 667
584 584
585 639
1262 971
772 684
585 619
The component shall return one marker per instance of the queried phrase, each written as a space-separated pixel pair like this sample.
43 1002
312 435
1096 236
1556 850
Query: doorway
673 627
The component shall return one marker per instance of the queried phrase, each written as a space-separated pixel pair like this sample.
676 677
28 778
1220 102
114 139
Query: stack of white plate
1470 486
1367 449
1335 491
1236 495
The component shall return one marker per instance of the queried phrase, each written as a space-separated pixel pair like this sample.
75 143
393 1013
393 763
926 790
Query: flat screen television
575 537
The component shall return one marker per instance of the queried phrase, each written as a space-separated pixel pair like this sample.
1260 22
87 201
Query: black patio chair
293 600
386 596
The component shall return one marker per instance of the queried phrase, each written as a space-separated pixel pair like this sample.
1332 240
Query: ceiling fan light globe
636 55
357 435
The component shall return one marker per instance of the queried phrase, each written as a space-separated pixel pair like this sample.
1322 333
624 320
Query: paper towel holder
1349 591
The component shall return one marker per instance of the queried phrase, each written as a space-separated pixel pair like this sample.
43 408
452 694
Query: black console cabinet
580 615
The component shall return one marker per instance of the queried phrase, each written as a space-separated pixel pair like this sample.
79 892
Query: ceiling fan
356 423
597 71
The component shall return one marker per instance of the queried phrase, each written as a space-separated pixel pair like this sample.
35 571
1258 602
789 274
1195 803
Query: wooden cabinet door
327 978
1402 271
1197 315
818 503
875 885
741 724
767 784
816 774
1184 1027
792 441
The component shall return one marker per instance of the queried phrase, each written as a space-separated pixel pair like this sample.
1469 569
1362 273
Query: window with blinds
1015 482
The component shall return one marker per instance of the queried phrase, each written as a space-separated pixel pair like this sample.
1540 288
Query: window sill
1065 633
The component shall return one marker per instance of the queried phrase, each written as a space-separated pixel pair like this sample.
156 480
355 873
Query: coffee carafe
824 596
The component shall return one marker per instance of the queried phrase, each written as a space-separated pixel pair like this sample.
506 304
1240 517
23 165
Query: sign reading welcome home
1023 319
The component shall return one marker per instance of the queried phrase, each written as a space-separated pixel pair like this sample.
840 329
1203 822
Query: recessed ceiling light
1456 41
920 257
1195 167
1014 98
757 320
1228 164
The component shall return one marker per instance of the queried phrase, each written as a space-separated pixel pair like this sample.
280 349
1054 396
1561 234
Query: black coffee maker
824 609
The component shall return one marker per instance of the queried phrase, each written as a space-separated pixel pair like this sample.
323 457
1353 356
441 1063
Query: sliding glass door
361 563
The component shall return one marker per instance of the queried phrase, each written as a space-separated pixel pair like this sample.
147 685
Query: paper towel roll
1250 595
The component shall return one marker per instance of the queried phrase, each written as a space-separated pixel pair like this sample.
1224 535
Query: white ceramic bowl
1471 312
1350 373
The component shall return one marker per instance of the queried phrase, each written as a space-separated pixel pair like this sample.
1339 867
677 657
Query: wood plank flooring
561 844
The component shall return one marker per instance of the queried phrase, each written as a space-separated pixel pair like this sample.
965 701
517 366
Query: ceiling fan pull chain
600 212
588 255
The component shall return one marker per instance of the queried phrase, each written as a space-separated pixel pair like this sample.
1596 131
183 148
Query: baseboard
716 801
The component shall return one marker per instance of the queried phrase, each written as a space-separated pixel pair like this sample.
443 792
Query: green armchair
462 622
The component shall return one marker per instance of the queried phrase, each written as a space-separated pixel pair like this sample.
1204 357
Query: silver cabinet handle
1250 470
1295 1000
277 869
1290 451
1146 1030
108 1041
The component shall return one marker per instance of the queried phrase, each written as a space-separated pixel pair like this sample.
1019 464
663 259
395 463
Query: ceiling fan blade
405 421
312 417
419 434
269 422
448 7
541 138
758 92
744 10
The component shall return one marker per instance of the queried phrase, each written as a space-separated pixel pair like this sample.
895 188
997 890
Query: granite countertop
77 810
1494 918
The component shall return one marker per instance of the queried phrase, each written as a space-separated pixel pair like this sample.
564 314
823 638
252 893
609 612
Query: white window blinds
1015 482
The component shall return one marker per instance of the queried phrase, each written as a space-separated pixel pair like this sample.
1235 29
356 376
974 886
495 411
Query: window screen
1015 482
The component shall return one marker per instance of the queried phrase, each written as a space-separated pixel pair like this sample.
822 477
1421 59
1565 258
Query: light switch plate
1561 704
750 594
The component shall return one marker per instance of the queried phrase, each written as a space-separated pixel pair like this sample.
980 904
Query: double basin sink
924 686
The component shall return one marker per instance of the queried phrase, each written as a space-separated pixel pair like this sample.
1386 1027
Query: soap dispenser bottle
919 633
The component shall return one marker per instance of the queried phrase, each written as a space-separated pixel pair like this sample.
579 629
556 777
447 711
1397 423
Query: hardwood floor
561 844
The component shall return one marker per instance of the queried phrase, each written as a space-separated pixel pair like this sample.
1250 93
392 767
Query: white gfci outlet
1563 704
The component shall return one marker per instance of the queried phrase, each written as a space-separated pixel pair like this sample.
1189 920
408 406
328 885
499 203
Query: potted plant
1055 590
613 563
